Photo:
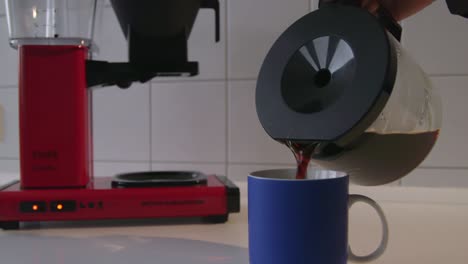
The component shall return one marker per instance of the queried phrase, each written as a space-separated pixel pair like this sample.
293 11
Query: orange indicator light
59 206
35 207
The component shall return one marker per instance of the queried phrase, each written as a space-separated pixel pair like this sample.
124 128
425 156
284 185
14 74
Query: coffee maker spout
123 74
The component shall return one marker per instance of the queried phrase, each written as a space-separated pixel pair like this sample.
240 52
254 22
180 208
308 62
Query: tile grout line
194 80
435 75
448 75
226 124
186 162
121 161
150 125
443 167
230 163
226 37
226 87
203 80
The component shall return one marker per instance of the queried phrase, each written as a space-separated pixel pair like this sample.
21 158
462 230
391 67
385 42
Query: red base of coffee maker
212 201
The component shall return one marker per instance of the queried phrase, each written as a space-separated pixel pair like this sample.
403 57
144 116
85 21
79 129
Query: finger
373 7
370 5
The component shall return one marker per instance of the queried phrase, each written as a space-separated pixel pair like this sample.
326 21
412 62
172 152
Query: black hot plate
158 178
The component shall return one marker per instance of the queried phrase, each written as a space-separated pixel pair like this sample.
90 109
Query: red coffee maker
56 74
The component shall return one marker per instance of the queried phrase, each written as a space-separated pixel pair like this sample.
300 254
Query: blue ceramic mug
303 221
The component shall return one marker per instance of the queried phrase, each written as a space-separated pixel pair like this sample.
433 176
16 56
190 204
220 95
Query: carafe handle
383 15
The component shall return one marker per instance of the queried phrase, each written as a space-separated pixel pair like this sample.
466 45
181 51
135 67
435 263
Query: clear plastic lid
50 22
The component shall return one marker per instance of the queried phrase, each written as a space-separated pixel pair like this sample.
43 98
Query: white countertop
426 226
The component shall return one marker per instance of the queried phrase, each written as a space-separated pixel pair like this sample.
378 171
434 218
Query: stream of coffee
303 154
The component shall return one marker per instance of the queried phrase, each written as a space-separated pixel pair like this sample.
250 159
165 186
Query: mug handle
355 198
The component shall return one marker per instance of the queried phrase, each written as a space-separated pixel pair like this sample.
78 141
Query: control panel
52 206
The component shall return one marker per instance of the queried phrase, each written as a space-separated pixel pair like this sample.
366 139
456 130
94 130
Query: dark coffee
372 159
303 154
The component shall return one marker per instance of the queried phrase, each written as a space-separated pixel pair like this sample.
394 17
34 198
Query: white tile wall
106 169
121 121
208 168
188 121
109 37
209 122
9 168
9 146
253 26
314 4
9 58
241 172
9 171
438 40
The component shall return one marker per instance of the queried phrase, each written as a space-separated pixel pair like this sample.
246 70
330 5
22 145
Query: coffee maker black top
157 32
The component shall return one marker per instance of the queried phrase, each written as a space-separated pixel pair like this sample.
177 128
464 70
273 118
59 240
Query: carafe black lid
327 76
